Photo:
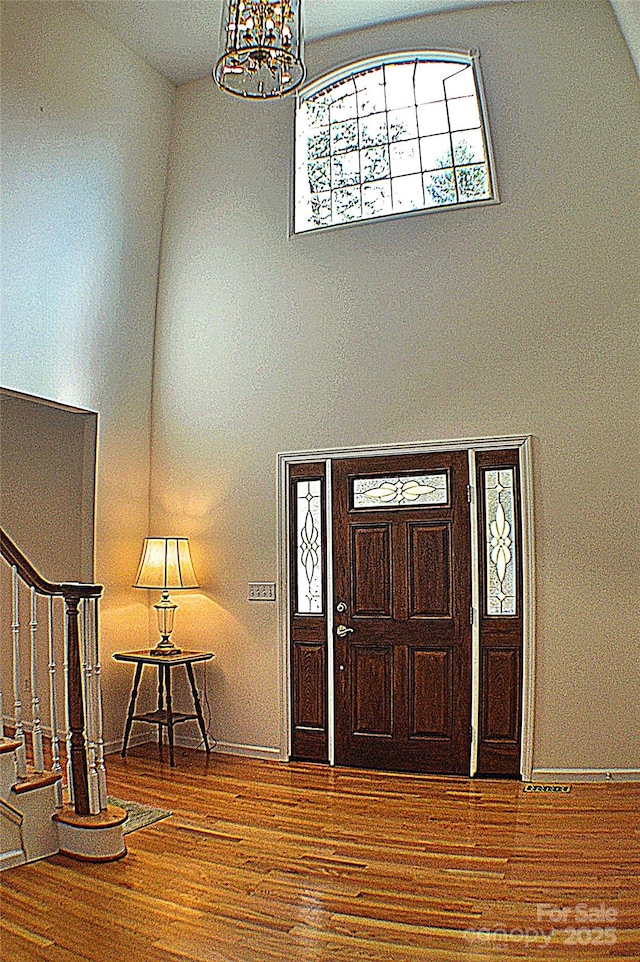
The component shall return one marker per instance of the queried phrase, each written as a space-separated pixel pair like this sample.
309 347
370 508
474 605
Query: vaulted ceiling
180 37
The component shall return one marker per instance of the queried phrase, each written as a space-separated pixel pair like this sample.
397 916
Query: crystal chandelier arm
260 48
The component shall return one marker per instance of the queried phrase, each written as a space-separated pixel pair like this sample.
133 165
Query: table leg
196 702
132 708
169 712
160 701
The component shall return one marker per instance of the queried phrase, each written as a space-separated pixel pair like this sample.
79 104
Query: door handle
342 631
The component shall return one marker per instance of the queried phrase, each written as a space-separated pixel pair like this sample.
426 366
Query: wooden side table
163 717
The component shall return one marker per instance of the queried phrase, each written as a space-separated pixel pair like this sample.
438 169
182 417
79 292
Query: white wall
47 484
85 135
518 318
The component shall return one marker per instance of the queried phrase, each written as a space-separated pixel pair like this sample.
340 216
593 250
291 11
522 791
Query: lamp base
165 647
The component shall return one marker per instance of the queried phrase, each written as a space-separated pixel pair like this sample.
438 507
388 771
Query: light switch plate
262 591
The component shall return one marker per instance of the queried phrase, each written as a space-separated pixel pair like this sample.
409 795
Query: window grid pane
413 130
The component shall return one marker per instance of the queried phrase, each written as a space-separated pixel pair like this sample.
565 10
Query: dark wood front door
402 599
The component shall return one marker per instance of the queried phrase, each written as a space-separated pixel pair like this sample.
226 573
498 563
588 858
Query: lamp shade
166 564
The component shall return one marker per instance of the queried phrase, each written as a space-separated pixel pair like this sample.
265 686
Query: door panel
371 570
402 567
308 668
372 674
429 570
501 673
430 684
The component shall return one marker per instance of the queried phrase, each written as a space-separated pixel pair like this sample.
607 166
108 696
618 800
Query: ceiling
180 37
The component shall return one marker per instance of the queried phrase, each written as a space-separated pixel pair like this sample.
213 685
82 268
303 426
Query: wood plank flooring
264 862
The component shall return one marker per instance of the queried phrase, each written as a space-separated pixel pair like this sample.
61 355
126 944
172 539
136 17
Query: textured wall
85 135
517 318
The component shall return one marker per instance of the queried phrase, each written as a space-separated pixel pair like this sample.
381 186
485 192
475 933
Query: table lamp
166 564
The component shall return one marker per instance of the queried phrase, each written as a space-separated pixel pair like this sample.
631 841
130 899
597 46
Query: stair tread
8 745
35 780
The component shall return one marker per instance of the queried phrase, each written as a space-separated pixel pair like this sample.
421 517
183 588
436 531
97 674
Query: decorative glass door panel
308 527
502 546
397 492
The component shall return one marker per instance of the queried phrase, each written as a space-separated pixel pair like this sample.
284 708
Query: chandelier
260 48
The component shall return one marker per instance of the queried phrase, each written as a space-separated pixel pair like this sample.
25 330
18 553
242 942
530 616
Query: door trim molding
475 607
524 443
331 690
528 609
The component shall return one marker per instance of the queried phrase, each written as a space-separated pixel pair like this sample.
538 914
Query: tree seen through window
399 134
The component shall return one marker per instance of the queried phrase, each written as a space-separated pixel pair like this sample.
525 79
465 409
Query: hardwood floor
264 862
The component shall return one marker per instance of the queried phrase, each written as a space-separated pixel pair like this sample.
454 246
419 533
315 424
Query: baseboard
11 859
146 737
185 741
110 748
541 775
250 751
585 775
231 748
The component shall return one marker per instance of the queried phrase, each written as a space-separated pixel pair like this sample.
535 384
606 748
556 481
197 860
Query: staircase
50 809
26 809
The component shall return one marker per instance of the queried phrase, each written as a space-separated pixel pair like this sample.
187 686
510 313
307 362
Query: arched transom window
400 133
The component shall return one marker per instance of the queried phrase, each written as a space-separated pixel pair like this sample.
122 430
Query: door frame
524 444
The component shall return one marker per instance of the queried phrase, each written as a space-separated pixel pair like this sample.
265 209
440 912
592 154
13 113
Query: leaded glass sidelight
501 548
308 547
400 492
399 133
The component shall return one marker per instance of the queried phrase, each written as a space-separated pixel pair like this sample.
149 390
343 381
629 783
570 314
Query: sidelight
308 547
501 549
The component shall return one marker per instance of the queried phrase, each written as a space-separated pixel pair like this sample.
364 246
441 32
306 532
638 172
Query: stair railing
86 777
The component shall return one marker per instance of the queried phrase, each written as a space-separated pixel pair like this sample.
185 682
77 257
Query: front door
402 601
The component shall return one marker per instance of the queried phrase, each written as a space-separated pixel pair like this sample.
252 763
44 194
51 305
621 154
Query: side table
163 717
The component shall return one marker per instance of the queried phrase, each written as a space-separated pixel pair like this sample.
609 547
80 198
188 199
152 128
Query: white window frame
471 58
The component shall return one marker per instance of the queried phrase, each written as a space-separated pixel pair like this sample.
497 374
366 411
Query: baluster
88 674
79 774
67 725
53 709
21 754
99 733
36 731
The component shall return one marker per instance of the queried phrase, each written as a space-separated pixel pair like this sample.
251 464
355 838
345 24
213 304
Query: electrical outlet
262 591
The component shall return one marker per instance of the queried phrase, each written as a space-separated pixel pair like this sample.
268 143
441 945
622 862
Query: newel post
76 706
